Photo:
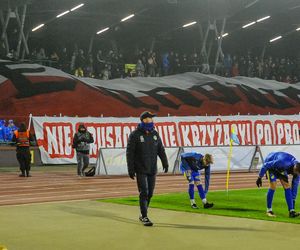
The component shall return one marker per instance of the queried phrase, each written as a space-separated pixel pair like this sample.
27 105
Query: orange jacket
22 138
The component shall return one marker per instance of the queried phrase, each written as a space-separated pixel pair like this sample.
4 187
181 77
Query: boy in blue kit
191 164
278 165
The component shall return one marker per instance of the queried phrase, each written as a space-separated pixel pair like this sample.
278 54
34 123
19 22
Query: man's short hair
208 158
298 166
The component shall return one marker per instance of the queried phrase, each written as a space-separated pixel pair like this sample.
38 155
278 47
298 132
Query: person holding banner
81 142
22 139
144 145
191 164
278 165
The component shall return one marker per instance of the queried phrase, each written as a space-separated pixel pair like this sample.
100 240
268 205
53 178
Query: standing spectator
171 58
250 69
177 64
99 64
73 61
22 139
121 66
41 55
243 66
81 142
33 54
64 61
227 65
90 66
79 64
184 63
151 65
195 63
166 64
235 70
144 145
140 68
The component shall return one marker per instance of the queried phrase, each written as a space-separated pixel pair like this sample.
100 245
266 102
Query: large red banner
55 134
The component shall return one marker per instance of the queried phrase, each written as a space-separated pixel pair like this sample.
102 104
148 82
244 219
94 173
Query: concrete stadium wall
8 157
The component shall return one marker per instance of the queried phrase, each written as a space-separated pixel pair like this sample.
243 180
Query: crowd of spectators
7 131
110 64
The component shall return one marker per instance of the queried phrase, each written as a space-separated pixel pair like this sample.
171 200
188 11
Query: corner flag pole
228 166
29 123
233 138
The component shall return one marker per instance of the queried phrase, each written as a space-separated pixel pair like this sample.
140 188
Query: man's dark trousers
146 184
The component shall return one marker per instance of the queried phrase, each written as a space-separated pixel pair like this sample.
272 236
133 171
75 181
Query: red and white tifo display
198 133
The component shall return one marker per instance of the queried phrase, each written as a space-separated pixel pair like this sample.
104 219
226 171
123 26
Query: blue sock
288 198
270 196
201 192
191 191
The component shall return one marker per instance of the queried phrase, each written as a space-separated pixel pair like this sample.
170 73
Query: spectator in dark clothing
22 139
81 142
80 63
64 61
144 145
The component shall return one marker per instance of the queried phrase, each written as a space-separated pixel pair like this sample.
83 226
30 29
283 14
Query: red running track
65 186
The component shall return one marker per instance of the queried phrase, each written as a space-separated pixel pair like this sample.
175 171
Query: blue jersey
281 162
192 161
278 161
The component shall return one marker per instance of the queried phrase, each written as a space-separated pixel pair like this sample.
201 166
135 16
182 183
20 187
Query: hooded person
144 145
81 143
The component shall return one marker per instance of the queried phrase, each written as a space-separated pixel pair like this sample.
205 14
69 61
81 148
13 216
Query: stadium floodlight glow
77 7
275 39
103 30
37 27
262 19
249 24
128 17
298 29
62 14
189 24
224 35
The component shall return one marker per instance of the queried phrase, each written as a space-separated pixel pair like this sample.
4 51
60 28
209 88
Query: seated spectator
10 129
2 131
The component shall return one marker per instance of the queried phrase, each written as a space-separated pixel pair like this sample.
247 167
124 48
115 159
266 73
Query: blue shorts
192 176
272 177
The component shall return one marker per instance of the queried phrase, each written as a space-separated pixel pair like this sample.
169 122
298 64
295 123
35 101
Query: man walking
144 145
81 142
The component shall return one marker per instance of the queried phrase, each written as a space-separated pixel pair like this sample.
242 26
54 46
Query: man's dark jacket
142 150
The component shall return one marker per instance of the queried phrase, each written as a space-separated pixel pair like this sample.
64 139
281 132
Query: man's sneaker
21 175
271 214
208 205
294 214
146 221
194 206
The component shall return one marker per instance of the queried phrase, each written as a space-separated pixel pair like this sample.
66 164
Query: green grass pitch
247 203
